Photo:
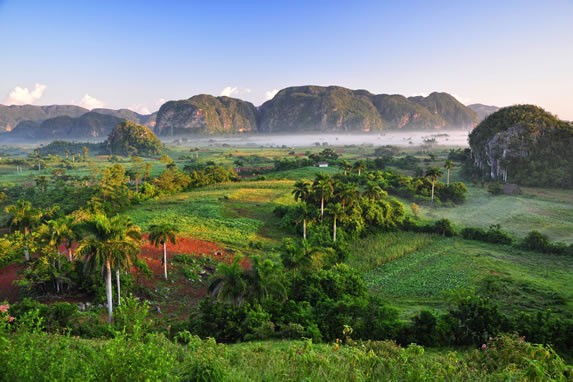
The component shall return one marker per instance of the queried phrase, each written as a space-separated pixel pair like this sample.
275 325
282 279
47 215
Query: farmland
397 272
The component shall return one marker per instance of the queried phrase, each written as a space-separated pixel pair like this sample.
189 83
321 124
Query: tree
359 166
374 191
109 243
345 166
346 193
303 214
336 211
228 283
301 191
160 234
61 231
138 170
448 166
24 218
323 187
433 173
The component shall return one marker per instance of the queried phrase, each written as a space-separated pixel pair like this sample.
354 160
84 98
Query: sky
139 54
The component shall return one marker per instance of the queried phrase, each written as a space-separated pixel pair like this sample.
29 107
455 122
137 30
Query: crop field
547 211
429 269
231 214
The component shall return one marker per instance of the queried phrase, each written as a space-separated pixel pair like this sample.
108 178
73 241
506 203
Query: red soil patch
9 291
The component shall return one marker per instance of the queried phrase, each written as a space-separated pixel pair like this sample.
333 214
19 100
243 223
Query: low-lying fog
404 139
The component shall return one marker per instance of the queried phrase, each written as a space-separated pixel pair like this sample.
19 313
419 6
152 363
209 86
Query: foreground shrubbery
29 354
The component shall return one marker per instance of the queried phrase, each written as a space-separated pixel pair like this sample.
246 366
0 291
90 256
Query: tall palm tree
303 215
434 173
345 166
448 166
24 218
336 211
160 234
301 191
109 243
359 166
323 187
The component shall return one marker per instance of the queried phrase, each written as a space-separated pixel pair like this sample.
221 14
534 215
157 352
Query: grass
547 211
231 214
426 271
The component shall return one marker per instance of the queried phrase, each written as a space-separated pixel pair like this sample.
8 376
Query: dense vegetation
354 258
129 138
526 145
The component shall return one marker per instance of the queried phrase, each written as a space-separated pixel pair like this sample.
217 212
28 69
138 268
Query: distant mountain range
292 110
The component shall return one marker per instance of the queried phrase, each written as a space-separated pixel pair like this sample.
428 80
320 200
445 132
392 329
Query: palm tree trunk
118 284
70 254
304 229
108 291
322 207
448 179
433 184
165 260
334 231
26 253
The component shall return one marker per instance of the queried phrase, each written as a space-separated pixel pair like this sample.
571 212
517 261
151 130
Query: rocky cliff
526 145
315 108
453 113
87 126
11 116
206 114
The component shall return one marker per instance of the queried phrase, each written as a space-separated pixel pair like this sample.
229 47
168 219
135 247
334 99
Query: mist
457 138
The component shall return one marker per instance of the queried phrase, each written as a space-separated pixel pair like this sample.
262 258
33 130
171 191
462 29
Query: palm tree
109 243
161 234
304 215
234 284
359 166
374 191
448 166
433 173
322 186
301 191
61 231
346 193
228 283
336 211
345 166
24 218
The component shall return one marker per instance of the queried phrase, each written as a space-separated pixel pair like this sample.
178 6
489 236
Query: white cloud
269 94
234 91
90 102
25 96
141 109
229 91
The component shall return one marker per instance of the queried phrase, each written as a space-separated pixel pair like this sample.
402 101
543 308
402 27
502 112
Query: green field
413 270
548 211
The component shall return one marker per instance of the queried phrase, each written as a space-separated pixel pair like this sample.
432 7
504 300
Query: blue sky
137 54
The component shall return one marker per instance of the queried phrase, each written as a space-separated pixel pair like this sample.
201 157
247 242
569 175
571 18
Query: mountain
206 114
292 110
483 110
90 125
130 115
454 114
10 116
129 138
398 112
316 108
524 144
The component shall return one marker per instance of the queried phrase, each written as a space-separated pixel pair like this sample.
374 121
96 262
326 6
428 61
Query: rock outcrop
87 126
206 114
316 108
525 145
